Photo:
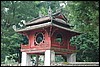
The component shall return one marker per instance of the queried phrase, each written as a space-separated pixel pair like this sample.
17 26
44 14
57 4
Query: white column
49 57
23 59
71 57
26 59
52 56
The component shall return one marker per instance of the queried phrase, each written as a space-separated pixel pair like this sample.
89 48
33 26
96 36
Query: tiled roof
46 25
57 20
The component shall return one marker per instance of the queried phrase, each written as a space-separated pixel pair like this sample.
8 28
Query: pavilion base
26 59
49 57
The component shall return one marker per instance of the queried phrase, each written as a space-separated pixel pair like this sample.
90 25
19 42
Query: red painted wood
49 41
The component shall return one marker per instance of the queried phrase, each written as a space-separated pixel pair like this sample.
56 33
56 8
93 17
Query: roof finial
21 25
23 21
49 12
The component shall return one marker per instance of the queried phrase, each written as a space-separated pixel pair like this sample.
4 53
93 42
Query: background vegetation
83 15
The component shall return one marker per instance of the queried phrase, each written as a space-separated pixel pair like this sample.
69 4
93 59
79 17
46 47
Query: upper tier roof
57 19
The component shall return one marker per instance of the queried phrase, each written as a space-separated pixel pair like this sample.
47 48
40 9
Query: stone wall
75 64
62 64
10 64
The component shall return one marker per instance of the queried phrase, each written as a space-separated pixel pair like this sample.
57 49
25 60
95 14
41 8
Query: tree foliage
83 15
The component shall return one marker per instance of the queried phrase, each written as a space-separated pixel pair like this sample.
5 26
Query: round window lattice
39 38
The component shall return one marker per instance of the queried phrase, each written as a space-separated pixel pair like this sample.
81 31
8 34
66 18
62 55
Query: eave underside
46 25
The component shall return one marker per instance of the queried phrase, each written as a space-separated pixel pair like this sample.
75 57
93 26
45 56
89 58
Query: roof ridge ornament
49 12
21 25
14 27
23 21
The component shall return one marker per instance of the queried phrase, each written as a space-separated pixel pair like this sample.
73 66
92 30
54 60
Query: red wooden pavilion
48 35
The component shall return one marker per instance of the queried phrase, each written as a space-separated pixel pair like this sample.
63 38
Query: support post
52 56
49 57
71 57
26 59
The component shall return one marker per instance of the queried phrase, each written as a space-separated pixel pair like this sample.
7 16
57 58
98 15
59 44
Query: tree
12 13
84 15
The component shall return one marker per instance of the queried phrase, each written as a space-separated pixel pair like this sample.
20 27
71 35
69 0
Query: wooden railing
25 46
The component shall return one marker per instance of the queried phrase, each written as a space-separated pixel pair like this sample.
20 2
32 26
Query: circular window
39 38
58 38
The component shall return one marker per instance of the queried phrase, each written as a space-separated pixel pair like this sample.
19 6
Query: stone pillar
71 57
29 62
49 57
52 56
26 59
